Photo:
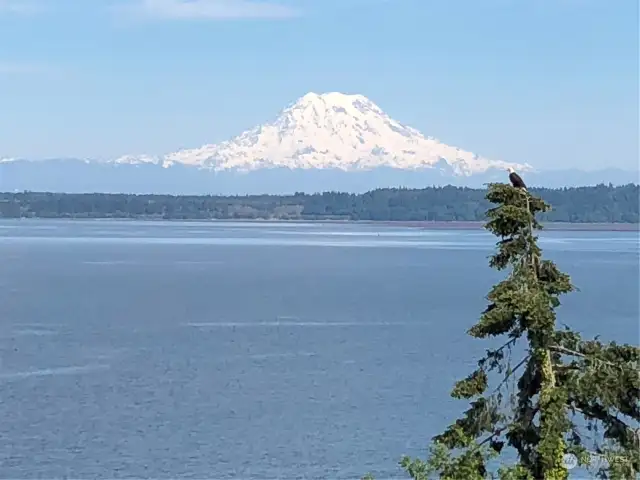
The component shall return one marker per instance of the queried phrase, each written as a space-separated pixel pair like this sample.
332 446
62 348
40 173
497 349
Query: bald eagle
516 180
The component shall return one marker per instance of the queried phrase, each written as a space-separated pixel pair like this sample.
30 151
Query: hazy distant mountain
322 142
329 131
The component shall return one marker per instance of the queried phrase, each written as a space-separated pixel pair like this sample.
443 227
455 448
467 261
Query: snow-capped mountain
319 143
329 131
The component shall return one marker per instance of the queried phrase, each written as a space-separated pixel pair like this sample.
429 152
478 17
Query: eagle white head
510 170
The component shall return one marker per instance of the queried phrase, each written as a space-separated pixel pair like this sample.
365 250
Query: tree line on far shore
591 204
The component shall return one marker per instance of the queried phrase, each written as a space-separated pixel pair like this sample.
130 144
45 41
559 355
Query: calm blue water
250 351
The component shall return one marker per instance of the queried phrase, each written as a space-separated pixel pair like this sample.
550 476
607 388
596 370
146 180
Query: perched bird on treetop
516 180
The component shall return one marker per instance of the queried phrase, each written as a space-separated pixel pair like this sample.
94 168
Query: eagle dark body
517 181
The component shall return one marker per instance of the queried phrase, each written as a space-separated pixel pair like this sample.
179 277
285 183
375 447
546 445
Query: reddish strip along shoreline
558 226
453 225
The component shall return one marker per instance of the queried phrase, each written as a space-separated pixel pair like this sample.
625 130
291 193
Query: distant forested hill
594 204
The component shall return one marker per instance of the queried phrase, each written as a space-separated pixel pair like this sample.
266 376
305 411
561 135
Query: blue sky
550 82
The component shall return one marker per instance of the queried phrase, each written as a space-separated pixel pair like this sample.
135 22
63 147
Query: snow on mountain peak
330 130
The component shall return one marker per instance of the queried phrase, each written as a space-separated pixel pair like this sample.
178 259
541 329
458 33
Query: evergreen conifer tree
566 389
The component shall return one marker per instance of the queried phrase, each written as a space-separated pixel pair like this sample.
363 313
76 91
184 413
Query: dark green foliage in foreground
572 396
596 204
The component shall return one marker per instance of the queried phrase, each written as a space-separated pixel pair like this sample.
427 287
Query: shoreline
557 226
420 224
